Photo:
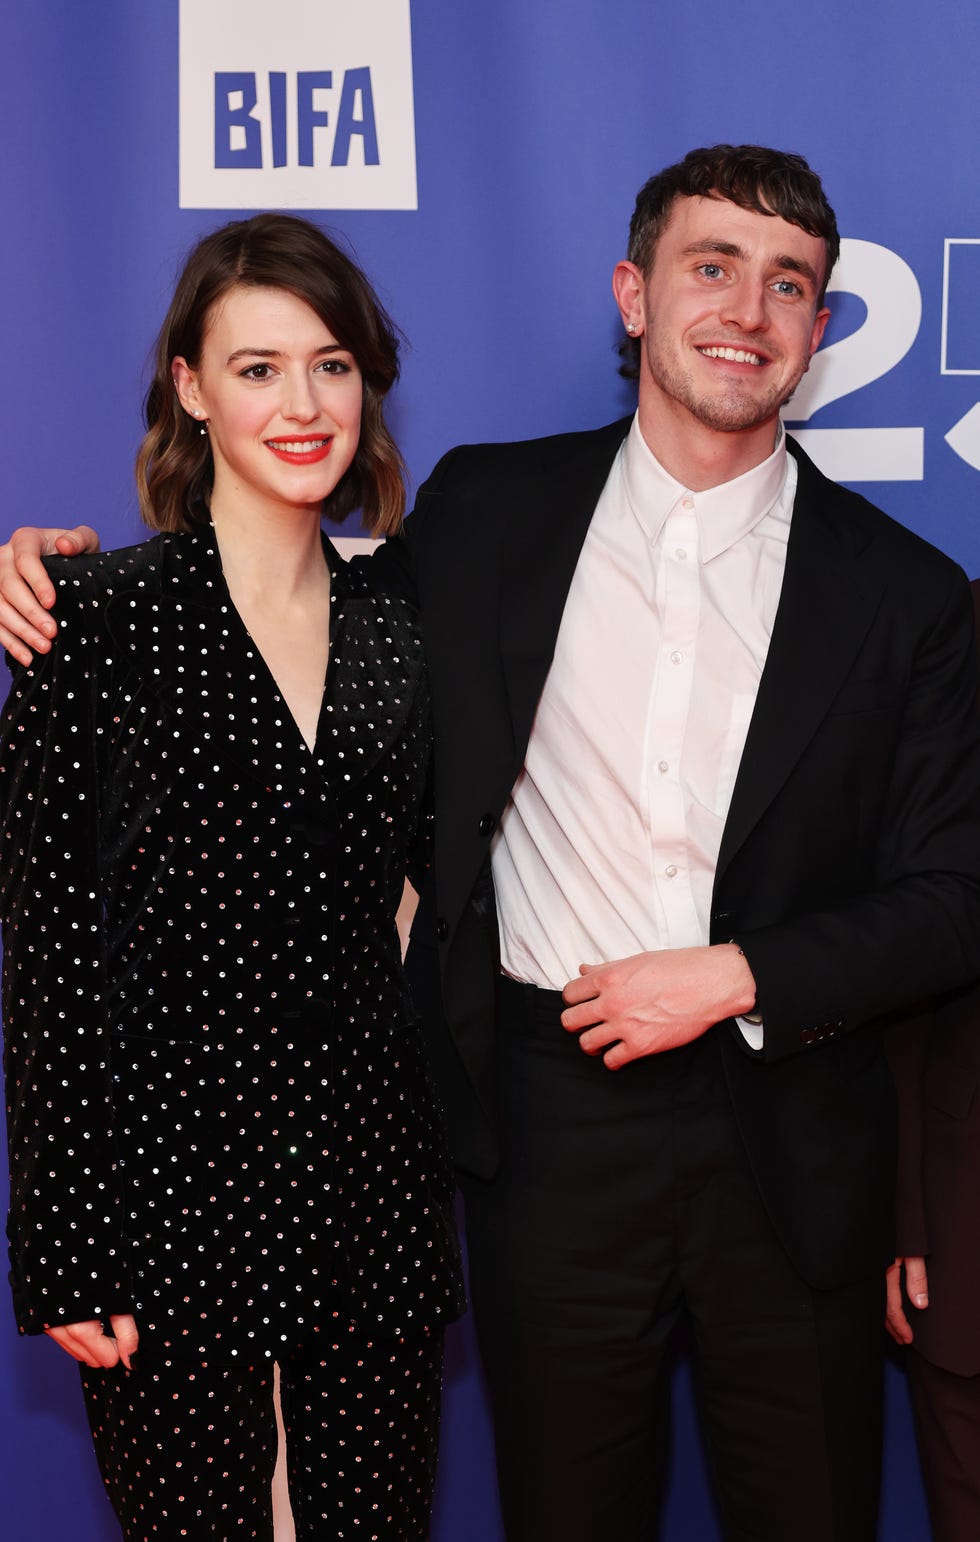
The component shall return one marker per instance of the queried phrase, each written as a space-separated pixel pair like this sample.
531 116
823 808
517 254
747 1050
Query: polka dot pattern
219 1112
192 1454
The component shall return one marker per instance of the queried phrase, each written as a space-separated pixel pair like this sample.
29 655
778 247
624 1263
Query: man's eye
786 286
710 269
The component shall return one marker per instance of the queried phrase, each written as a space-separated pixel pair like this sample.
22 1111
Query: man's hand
917 1290
87 1341
26 591
656 1001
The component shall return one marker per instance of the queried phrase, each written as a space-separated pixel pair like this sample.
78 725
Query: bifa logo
306 104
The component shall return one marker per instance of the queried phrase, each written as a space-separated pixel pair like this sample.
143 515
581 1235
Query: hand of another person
917 1290
656 1001
26 591
88 1341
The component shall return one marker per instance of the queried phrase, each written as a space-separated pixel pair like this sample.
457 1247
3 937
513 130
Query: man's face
728 314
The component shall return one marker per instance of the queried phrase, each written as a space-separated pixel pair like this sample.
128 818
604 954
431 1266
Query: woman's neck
269 551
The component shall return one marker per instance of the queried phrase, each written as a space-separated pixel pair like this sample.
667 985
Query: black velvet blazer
218 1108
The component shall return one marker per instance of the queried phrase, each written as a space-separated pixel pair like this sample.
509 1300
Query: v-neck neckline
336 565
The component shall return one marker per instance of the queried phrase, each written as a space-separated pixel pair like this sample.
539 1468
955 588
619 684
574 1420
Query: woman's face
282 401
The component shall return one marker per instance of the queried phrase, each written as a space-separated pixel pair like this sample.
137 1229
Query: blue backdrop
535 121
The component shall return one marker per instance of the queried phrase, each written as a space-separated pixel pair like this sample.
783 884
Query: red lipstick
317 447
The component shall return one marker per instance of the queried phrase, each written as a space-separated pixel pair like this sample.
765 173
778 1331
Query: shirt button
677 656
687 502
670 871
680 554
662 766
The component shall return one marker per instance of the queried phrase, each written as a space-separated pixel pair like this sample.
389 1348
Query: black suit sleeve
64 1224
907 1054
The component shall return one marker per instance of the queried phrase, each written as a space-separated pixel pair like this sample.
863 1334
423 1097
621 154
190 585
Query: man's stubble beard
731 412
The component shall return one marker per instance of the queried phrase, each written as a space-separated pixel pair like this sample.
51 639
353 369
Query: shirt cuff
752 1032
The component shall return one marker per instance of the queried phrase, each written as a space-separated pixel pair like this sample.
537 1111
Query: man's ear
628 287
816 336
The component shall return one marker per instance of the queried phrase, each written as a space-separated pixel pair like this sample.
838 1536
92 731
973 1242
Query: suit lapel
826 606
550 520
186 641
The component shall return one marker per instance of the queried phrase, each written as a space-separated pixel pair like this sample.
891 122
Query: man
705 765
939 1245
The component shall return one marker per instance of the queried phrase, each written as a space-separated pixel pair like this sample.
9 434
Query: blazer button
487 823
442 928
810 1036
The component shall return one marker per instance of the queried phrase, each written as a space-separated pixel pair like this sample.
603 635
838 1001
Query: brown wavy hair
751 176
174 468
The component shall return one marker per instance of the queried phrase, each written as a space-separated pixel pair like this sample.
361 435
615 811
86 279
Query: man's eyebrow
796 265
275 353
732 249
721 248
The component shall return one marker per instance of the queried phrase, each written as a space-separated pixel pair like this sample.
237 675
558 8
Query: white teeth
734 355
296 447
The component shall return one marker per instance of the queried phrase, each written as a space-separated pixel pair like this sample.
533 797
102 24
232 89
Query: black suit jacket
937 1066
219 1115
849 869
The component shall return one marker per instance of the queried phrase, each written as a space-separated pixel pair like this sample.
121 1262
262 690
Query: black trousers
188 1450
624 1199
947 1426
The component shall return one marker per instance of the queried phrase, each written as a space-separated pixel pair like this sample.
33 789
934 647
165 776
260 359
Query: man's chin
736 417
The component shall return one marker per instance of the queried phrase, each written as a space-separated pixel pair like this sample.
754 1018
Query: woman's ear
187 387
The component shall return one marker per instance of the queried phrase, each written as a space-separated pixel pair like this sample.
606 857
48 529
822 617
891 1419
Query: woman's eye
257 372
334 367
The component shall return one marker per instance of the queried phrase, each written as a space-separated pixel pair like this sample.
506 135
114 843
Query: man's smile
733 355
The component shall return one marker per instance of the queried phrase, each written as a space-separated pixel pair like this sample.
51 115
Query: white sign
300 104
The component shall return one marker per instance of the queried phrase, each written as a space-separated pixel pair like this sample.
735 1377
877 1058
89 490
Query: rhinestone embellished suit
219 1113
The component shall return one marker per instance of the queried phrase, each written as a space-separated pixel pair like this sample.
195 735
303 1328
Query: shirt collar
724 514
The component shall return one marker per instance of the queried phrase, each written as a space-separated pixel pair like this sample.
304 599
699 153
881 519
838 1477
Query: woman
223 1143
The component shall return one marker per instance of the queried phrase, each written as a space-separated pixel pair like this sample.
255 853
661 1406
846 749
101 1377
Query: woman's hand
89 1343
26 591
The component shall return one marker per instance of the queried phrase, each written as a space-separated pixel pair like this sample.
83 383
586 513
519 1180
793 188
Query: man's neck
700 457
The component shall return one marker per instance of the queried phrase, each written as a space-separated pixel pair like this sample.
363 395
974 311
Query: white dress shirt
609 842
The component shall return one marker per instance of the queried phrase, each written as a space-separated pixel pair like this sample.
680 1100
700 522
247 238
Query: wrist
743 998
